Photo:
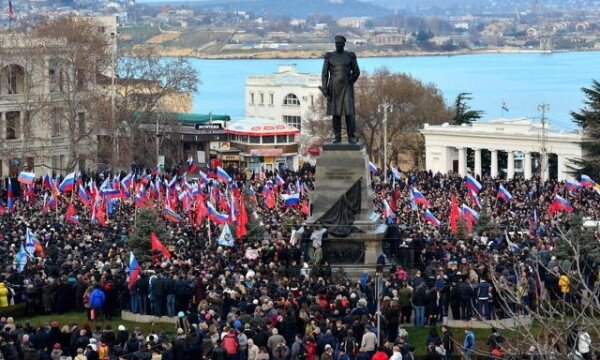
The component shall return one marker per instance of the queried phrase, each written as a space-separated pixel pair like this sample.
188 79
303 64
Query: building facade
266 144
44 120
285 96
526 147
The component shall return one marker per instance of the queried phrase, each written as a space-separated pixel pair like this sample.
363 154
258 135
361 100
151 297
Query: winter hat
56 346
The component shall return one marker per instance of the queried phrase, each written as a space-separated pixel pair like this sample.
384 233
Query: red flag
242 219
100 214
454 215
155 244
469 223
201 210
71 215
305 208
270 201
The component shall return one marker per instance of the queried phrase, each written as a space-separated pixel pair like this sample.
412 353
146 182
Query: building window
13 79
268 139
54 124
81 122
30 161
271 99
312 100
281 139
291 100
262 99
244 138
293 120
291 138
12 123
27 124
252 98
254 139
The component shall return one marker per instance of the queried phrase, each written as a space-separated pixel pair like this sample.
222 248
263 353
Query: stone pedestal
338 168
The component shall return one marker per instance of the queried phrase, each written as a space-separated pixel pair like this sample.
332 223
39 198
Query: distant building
519 141
389 39
267 144
286 96
44 110
353 22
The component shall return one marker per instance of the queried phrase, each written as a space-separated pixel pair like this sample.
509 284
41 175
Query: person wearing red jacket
380 354
230 344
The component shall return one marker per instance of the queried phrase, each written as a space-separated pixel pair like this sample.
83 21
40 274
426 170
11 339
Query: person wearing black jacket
465 296
141 286
157 292
170 282
454 301
219 352
447 341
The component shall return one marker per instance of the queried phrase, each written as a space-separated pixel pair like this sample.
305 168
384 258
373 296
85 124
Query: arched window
13 79
291 100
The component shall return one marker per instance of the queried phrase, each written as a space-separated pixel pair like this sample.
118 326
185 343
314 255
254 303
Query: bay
523 81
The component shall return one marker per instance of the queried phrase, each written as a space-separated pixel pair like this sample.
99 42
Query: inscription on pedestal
339 174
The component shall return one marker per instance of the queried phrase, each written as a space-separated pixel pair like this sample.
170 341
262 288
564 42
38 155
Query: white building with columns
520 141
286 95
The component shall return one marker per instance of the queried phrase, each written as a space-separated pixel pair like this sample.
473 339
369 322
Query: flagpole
56 207
208 231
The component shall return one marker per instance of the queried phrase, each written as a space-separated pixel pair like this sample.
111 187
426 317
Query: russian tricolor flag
472 183
469 213
111 193
223 175
430 218
561 203
387 210
372 168
473 195
279 180
27 178
573 185
291 199
47 182
127 181
587 181
215 215
202 177
504 194
84 197
192 167
134 270
10 200
419 198
396 174
171 215
67 183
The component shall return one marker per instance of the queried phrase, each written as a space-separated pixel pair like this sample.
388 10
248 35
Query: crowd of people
274 296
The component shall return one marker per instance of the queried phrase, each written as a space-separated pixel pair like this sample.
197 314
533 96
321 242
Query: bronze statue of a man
340 72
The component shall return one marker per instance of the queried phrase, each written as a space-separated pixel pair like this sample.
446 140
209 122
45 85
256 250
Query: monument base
339 167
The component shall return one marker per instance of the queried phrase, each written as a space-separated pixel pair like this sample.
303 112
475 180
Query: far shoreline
313 54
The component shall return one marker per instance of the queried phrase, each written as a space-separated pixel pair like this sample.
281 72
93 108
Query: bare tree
411 104
552 296
150 91
74 102
49 91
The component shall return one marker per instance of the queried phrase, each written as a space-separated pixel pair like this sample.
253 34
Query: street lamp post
112 97
385 107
